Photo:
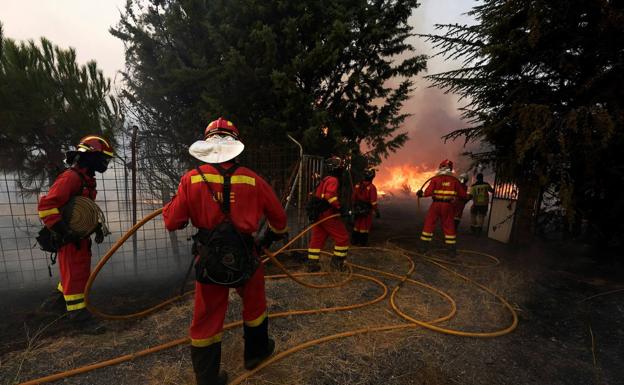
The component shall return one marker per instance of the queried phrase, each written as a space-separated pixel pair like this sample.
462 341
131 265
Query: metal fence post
133 149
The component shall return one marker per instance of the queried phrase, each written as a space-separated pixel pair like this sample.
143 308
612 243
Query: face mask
97 162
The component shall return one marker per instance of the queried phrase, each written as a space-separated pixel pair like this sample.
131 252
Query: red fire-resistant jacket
66 185
328 190
365 191
251 198
445 188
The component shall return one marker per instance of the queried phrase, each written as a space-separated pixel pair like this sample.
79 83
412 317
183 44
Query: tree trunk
527 209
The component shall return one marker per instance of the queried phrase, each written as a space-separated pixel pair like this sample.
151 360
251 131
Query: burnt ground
570 331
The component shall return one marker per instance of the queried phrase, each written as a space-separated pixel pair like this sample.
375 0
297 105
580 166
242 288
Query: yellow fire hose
272 256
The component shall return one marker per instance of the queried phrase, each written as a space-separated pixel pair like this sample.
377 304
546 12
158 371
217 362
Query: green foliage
47 103
544 83
272 67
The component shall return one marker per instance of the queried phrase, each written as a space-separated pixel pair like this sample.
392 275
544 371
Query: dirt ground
570 330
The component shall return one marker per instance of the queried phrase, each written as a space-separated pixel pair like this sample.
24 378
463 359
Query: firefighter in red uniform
444 188
74 256
328 191
460 203
364 199
200 198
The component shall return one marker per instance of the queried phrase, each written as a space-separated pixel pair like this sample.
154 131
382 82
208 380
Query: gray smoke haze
433 113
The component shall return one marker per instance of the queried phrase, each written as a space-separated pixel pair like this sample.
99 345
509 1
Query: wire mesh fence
152 250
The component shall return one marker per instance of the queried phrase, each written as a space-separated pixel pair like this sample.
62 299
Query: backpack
315 207
225 257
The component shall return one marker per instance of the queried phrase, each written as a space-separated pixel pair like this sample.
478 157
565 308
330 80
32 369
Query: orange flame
400 178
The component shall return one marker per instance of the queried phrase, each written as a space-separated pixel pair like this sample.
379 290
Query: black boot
456 224
355 238
84 322
313 265
54 303
479 231
423 247
452 251
258 345
206 363
338 263
364 239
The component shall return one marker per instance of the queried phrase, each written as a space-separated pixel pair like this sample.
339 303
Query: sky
84 25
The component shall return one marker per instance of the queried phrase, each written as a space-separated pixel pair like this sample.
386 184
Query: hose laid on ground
295 276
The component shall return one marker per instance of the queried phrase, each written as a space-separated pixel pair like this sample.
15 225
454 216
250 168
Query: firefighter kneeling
225 202
444 188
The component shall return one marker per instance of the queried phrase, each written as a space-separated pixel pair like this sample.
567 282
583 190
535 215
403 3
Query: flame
400 178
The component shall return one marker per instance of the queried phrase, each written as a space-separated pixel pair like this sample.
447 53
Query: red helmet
369 173
94 143
446 164
221 127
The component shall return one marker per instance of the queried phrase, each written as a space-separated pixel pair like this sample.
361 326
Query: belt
442 200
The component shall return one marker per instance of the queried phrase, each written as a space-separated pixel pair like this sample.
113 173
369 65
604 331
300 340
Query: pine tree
47 103
272 67
544 84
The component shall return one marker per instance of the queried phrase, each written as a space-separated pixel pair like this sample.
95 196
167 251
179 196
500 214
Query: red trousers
75 268
333 228
445 212
363 223
211 303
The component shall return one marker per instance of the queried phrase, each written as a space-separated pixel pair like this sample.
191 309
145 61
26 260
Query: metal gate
502 210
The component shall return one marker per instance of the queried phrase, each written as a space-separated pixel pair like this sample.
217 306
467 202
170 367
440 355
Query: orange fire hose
295 276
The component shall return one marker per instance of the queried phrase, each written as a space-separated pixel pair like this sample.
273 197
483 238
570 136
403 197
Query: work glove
419 193
269 237
345 212
62 235
99 234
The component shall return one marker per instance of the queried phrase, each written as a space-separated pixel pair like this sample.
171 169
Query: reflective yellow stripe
340 254
314 250
427 234
235 179
450 236
96 137
77 306
313 256
45 213
59 287
425 239
202 343
341 247
445 192
450 241
331 200
256 322
73 297
278 231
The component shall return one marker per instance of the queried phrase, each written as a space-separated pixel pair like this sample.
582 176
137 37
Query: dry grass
411 356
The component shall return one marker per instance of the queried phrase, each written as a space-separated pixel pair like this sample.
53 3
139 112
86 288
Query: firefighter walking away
480 193
444 189
225 202
364 199
73 248
323 204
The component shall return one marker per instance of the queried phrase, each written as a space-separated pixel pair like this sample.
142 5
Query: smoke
433 112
